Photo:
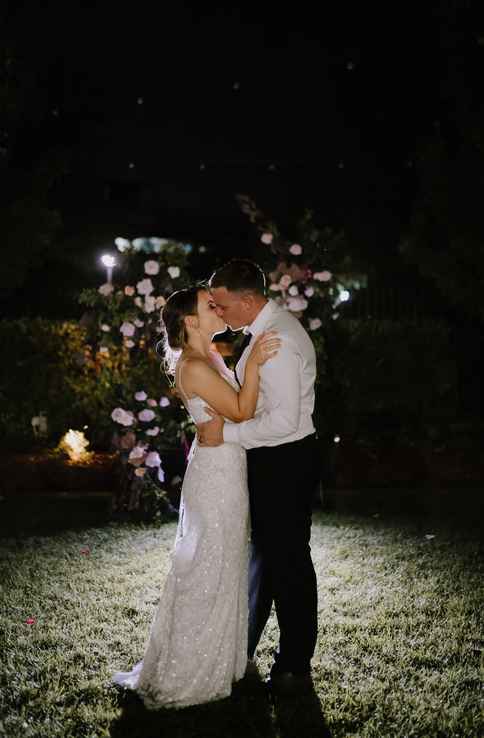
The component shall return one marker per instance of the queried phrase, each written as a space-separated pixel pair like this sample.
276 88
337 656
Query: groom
282 457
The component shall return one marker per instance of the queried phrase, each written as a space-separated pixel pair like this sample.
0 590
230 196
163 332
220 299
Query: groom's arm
280 418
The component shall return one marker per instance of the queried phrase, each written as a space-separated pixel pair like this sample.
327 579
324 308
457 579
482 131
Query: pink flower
106 289
127 329
30 621
129 343
285 281
296 249
267 238
129 291
146 415
85 551
323 276
150 304
164 402
152 267
161 474
159 302
314 324
309 291
138 323
145 287
140 472
152 403
140 396
153 459
153 431
123 417
137 455
138 301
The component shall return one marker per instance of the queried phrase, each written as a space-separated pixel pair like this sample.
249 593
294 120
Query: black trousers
282 480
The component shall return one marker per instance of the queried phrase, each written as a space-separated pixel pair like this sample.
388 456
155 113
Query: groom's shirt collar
258 324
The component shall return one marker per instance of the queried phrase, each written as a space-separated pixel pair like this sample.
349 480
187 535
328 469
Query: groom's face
231 306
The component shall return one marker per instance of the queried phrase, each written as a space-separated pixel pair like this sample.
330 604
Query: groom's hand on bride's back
211 432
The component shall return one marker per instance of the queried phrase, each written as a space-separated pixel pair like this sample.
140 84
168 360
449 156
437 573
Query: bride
197 646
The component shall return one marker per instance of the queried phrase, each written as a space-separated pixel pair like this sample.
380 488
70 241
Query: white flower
309 291
138 301
153 459
314 324
152 431
150 304
160 302
267 238
140 471
138 323
296 249
275 287
323 276
146 415
293 290
174 272
127 329
296 304
123 417
164 402
152 403
129 343
105 327
129 291
122 244
104 350
285 281
145 287
140 396
152 267
106 289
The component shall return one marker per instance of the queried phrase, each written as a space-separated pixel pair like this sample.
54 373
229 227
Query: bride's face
209 320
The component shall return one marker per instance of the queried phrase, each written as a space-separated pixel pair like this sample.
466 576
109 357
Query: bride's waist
223 448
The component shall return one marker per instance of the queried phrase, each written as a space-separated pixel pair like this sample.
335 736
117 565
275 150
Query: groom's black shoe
288 684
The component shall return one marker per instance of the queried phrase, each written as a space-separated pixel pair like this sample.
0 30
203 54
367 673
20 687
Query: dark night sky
168 110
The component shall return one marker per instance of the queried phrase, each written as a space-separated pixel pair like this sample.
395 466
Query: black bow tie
245 343
240 351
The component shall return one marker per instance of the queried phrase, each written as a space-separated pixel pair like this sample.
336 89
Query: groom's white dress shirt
286 390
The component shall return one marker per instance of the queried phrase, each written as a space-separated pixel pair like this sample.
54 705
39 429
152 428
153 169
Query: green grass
399 649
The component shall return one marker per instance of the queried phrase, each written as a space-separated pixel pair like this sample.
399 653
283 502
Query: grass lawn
399 650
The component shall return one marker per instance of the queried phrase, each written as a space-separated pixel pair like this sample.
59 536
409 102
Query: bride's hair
174 333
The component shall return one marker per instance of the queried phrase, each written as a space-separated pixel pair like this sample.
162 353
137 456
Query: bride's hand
265 347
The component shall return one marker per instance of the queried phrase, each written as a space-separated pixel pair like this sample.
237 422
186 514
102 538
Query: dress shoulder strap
178 380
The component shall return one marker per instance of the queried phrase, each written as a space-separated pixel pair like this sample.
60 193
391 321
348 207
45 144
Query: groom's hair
240 275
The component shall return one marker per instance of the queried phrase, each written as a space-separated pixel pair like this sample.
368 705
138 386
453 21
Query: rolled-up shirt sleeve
280 384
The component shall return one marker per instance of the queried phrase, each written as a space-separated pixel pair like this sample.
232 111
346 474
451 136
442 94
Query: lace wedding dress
197 645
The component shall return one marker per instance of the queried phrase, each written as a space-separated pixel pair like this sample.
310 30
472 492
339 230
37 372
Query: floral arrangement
312 274
125 321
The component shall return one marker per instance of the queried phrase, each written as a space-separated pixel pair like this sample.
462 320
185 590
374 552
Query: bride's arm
201 379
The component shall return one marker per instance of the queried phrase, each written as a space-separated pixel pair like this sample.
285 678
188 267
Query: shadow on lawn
240 716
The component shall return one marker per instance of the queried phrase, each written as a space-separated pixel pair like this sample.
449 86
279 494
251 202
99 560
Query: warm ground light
398 653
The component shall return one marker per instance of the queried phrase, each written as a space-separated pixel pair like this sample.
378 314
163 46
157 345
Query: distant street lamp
109 262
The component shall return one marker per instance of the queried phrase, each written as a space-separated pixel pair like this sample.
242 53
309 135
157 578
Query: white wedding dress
197 646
